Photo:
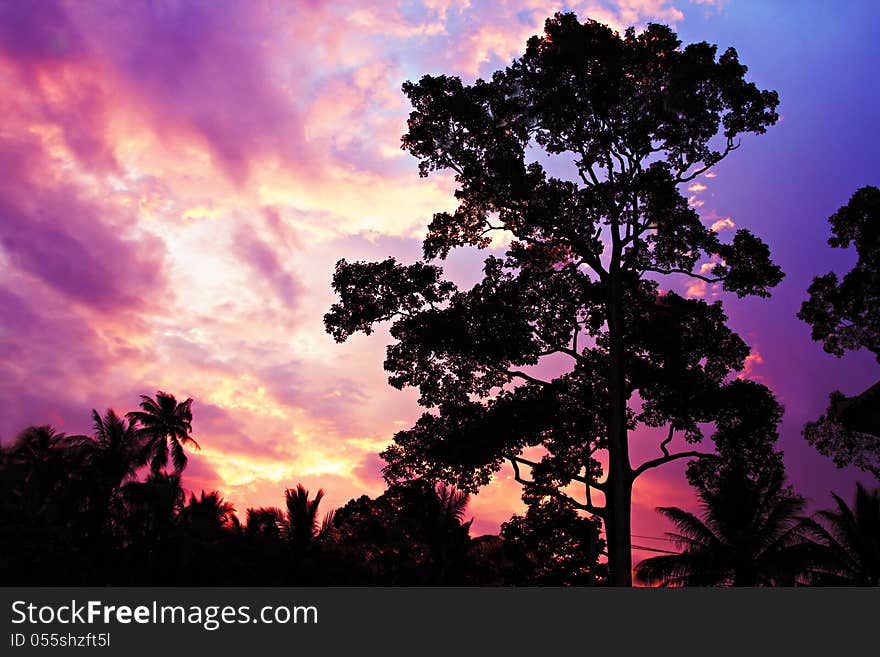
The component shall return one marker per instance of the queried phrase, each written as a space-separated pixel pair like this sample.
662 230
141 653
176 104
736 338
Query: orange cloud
722 224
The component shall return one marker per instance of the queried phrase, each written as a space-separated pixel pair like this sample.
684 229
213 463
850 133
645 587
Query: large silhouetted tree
845 315
630 117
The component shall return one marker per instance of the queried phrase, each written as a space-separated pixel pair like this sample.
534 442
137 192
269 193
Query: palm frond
689 526
453 502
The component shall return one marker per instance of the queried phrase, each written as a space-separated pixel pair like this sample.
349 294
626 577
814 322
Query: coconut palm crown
165 425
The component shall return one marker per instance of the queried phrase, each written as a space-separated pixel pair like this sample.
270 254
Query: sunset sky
179 178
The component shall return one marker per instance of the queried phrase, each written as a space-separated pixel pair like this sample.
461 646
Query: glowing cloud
723 224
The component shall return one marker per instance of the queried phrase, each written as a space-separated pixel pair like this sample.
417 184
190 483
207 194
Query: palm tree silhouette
166 426
43 527
453 503
848 541
301 526
208 516
265 523
750 534
112 455
448 538
48 463
152 505
116 452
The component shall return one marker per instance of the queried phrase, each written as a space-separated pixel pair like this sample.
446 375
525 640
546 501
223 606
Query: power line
650 549
653 538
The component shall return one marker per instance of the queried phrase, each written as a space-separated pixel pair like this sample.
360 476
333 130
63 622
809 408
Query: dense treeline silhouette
96 510
104 509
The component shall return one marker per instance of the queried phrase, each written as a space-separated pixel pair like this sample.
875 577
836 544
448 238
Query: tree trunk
617 532
618 493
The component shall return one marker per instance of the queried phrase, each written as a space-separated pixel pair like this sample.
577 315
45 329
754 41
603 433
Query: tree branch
668 440
533 464
489 228
653 463
514 461
525 376
577 244
558 348
685 272
589 507
730 147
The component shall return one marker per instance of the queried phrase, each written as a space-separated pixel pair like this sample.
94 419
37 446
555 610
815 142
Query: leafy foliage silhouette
561 547
845 315
634 116
166 425
89 510
94 510
848 540
750 534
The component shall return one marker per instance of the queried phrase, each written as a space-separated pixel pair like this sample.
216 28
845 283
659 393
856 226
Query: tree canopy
845 315
631 117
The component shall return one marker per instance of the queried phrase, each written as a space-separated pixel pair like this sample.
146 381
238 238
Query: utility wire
653 538
650 549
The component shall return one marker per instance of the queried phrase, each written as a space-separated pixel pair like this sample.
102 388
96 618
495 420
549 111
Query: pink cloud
62 236
723 224
267 264
753 361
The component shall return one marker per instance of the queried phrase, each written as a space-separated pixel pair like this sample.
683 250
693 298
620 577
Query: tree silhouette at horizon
302 529
414 533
